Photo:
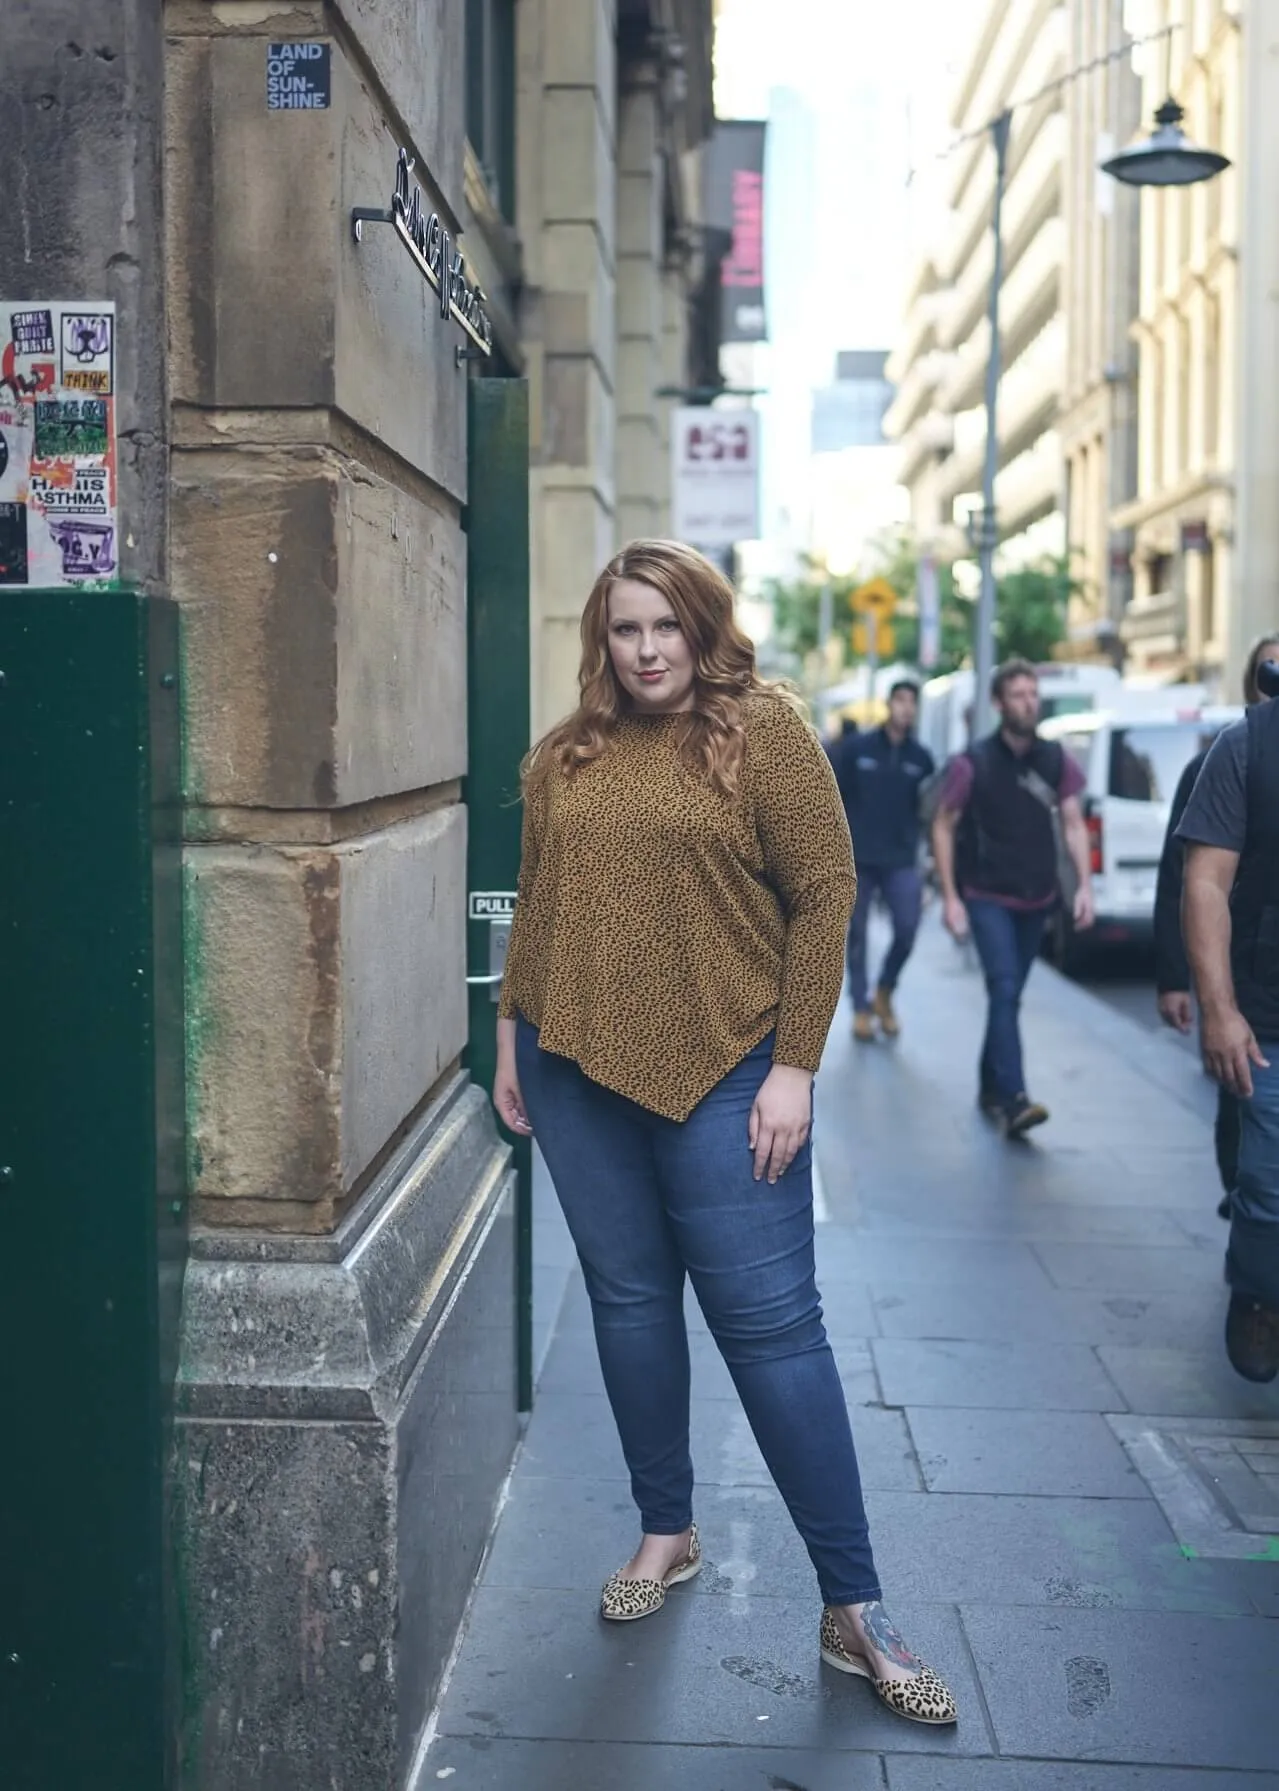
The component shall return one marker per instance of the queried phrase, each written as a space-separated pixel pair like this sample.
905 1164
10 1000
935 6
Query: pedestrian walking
674 964
1172 968
881 777
1008 808
1230 917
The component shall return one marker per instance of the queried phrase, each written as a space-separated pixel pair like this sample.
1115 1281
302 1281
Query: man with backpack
1006 807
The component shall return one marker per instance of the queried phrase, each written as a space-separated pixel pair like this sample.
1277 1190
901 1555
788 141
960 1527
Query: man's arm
1075 833
1214 831
1229 1048
945 822
1172 970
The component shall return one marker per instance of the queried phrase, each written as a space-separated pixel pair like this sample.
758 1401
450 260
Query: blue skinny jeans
903 891
1007 942
650 1201
1252 1261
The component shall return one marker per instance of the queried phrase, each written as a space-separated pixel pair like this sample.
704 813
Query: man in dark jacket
881 776
1172 970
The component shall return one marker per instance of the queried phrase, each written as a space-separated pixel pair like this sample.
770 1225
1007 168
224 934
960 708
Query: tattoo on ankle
882 1631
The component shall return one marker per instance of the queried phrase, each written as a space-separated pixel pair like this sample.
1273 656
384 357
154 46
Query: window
490 95
1145 763
1079 745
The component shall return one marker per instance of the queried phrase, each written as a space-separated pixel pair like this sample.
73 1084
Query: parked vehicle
1132 760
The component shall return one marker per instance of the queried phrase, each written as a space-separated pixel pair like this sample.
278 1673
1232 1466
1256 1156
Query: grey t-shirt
1217 813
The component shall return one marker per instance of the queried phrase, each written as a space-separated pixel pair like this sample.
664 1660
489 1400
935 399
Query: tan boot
864 1026
885 1013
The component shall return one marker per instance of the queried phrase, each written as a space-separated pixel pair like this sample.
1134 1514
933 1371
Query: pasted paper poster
58 517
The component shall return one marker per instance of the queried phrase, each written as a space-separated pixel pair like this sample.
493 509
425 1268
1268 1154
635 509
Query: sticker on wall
58 464
13 544
298 77
86 351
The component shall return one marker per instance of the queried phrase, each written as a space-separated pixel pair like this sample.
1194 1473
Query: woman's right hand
507 1098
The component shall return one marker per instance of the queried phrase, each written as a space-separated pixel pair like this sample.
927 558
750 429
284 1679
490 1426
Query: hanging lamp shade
1167 158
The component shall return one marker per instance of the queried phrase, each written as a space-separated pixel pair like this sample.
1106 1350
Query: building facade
294 468
1134 329
1182 517
613 101
939 363
1098 423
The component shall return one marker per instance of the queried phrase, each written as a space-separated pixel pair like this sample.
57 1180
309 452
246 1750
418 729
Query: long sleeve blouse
662 930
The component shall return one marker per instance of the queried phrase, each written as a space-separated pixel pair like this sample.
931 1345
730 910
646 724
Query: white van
1132 762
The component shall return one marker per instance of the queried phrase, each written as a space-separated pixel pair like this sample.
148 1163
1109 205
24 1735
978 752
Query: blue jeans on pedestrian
903 893
650 1201
1252 1261
1007 942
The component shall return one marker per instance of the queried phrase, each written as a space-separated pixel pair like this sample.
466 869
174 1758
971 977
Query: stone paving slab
966 1313
482 1765
1038 1775
710 1672
572 1435
965 1548
999 1217
848 1311
865 1258
1130 1686
572 1367
1189 1383
1125 1268
1067 1378
1035 1551
1056 1454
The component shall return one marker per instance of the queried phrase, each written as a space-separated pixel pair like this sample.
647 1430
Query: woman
674 965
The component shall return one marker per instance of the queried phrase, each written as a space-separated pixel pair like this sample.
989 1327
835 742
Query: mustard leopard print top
663 930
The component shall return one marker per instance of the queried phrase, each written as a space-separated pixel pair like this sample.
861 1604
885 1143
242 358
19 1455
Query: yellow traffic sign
877 598
885 639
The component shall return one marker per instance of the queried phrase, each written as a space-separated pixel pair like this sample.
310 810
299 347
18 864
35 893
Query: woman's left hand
780 1119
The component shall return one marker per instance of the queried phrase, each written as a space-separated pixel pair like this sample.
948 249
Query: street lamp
1165 159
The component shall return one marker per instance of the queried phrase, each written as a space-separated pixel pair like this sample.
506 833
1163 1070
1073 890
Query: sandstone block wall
318 479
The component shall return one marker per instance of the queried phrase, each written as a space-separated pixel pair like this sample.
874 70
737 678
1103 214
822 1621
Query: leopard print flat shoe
924 1699
626 1601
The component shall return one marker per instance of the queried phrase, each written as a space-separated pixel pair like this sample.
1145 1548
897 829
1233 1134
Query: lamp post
1166 159
987 523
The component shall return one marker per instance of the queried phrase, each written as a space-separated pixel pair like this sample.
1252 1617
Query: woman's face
649 650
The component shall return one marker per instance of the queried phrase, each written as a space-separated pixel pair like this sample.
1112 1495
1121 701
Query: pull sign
492 904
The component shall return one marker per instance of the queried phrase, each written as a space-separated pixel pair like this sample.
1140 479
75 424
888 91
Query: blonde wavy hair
711 738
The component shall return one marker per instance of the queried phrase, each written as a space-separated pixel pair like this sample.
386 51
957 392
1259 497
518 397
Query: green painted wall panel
498 733
91 1191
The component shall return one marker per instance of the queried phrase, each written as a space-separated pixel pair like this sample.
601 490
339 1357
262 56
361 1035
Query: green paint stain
1191 1554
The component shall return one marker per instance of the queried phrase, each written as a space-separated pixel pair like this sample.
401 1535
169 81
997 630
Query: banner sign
715 495
735 203
929 598
58 521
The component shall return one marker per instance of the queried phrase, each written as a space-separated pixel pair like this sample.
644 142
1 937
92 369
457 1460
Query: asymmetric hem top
663 930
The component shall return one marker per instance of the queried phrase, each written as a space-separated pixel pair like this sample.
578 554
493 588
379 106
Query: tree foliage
1030 616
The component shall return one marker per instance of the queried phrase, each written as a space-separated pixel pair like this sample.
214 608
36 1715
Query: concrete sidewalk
1074 1501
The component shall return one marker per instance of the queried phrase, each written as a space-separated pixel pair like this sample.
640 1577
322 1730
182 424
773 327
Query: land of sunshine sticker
59 523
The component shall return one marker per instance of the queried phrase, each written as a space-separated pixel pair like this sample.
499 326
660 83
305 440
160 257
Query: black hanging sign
439 261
